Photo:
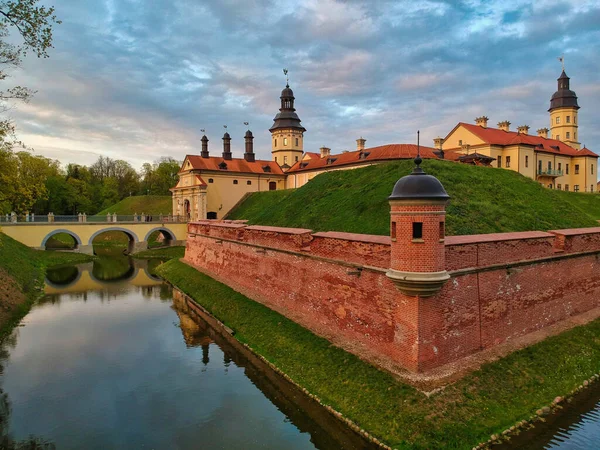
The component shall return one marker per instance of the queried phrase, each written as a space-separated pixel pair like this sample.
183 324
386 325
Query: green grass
462 415
161 253
147 204
27 267
484 200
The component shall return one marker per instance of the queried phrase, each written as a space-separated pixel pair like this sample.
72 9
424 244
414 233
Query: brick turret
418 254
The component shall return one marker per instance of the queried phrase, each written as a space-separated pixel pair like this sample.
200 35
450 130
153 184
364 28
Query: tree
34 24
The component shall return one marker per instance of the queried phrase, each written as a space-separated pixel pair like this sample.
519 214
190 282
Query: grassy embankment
21 278
458 417
161 253
138 204
484 200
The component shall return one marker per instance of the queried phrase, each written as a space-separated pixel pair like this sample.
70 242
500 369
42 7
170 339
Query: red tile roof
495 136
233 165
381 153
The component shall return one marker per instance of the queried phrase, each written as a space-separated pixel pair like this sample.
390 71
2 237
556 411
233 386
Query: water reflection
123 366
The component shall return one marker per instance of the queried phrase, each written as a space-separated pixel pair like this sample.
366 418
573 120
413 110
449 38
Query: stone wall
502 286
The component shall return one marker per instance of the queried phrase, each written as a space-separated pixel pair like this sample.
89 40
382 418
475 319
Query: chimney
360 143
543 132
227 146
438 142
523 129
204 152
249 153
325 152
481 121
504 126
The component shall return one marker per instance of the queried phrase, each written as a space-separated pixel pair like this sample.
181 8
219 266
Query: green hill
484 200
147 204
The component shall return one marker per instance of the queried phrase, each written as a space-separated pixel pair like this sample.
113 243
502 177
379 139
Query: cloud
139 83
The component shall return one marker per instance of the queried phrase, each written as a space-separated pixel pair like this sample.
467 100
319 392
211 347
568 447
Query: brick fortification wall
502 286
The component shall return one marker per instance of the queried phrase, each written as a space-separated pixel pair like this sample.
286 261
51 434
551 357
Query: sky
139 80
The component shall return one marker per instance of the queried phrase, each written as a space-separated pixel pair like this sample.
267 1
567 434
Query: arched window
284 141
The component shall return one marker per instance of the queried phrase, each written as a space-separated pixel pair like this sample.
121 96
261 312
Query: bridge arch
133 239
167 234
61 230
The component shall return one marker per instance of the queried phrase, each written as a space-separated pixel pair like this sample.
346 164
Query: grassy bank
147 204
161 253
22 273
484 200
460 416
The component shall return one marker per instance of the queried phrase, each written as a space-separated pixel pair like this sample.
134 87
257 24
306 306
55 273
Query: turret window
568 119
592 168
568 135
285 142
275 142
417 230
558 137
285 159
557 120
297 142
442 231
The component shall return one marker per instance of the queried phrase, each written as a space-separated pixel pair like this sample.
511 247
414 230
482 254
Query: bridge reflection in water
102 273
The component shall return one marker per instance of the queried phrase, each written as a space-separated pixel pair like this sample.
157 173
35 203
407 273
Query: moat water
110 359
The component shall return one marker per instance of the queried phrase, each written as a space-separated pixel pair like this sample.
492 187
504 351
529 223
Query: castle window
442 230
575 135
276 159
567 187
296 159
526 160
499 161
549 166
266 169
539 167
417 230
567 171
558 120
574 119
275 142
210 180
248 182
508 161
592 169
460 142
568 119
285 159
568 135
393 230
576 169
284 142
559 167
576 188
223 165
235 181
557 137
559 187
296 142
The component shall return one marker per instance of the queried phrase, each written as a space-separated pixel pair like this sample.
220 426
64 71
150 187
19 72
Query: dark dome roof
564 96
419 186
204 139
287 92
226 136
248 134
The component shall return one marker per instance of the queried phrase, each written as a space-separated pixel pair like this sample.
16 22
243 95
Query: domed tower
287 133
418 217
563 113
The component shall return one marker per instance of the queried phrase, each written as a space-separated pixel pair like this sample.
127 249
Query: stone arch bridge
36 234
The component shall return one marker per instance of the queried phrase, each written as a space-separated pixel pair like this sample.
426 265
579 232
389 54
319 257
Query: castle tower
287 133
563 113
417 228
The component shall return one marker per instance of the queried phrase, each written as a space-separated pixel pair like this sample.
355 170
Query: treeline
35 184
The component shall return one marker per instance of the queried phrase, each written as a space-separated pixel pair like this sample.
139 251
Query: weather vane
287 79
225 126
246 123
203 130
561 58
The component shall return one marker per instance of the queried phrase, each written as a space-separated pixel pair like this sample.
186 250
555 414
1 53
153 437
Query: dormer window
266 169
303 165
363 155
331 161
223 165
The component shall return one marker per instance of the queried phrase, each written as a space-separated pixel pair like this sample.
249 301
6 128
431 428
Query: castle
210 186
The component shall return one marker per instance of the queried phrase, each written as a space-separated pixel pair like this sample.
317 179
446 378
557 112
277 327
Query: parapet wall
502 286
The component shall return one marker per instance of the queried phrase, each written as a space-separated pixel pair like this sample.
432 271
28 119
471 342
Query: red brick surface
366 314
578 240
